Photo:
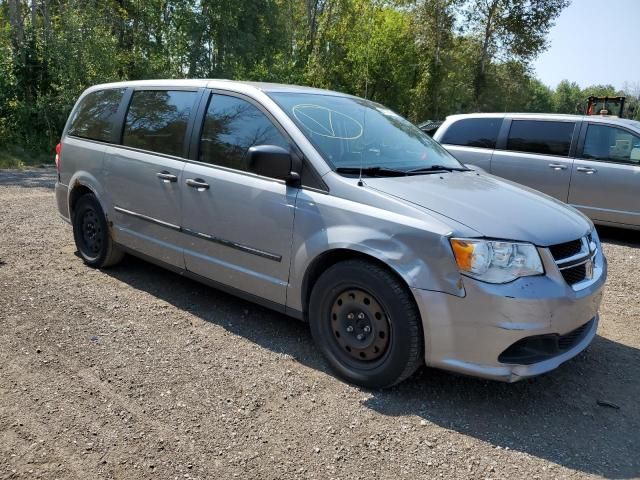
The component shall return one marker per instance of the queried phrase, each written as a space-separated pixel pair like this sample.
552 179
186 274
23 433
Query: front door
238 226
606 176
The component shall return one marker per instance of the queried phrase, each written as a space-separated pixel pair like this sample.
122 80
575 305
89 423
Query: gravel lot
135 372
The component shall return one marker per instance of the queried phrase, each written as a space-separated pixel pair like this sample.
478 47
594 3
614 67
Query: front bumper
468 334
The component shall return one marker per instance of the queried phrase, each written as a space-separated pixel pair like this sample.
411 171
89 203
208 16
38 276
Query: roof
610 120
221 83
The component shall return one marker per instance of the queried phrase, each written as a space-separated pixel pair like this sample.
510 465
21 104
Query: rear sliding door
143 173
537 155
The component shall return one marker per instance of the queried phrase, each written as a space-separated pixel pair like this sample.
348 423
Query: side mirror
275 162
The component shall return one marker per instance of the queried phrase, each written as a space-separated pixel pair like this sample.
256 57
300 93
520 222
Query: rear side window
157 120
473 132
231 126
535 136
94 118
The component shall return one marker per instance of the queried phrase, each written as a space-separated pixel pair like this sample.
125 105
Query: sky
593 42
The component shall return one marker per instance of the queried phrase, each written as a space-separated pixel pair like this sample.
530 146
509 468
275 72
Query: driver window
611 144
231 126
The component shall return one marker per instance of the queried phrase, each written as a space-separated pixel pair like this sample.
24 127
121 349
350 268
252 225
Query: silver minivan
337 211
590 162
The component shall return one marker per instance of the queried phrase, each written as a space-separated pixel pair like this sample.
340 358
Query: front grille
537 348
566 250
572 259
573 275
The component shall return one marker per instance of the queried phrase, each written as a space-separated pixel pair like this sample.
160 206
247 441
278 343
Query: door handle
197 183
167 177
587 170
557 166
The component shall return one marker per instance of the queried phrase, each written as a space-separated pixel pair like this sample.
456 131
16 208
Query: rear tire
92 236
366 323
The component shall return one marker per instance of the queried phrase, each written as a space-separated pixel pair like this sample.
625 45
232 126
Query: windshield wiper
436 168
373 171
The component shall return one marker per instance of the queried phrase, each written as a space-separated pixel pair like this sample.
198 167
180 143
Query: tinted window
231 127
534 136
157 120
611 144
95 115
473 132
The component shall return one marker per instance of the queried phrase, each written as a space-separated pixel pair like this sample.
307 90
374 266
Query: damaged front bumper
512 331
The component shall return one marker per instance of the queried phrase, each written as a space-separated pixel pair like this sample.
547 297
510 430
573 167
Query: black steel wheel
360 325
91 234
366 324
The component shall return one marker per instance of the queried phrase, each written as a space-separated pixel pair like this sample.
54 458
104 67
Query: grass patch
18 158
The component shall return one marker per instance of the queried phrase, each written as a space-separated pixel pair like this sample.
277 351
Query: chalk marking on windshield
298 112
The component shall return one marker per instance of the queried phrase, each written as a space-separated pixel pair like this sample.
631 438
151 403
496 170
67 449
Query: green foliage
568 97
424 58
513 30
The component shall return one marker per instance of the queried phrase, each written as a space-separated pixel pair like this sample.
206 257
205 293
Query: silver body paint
259 237
605 190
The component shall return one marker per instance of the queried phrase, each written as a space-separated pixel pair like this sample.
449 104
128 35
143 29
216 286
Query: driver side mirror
275 162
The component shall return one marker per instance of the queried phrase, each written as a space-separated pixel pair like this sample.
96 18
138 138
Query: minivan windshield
353 134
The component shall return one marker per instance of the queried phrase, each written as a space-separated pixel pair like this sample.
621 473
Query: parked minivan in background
334 210
590 162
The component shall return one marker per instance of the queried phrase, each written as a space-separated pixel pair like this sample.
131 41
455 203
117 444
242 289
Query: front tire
91 234
366 324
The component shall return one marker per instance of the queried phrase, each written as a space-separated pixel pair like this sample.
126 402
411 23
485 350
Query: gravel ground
135 372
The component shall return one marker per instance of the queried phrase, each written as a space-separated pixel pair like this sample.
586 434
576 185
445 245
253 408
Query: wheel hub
359 324
91 232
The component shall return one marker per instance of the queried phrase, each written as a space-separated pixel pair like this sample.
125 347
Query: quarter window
473 132
231 127
157 120
536 136
94 118
611 144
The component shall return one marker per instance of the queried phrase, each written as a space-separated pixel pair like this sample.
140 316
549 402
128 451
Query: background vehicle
335 210
429 127
590 162
613 106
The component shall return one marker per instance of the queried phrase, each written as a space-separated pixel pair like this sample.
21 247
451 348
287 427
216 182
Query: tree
508 30
433 24
568 98
539 98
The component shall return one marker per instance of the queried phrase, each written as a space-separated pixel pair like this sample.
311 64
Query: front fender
417 251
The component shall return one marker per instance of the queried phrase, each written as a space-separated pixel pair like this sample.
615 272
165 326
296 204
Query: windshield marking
331 133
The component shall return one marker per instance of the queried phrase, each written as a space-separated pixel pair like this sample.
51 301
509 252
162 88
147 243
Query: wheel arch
327 259
76 192
83 183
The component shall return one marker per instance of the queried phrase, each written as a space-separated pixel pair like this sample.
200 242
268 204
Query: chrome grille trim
575 269
577 263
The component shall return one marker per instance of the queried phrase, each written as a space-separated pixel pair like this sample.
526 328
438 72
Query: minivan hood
493 207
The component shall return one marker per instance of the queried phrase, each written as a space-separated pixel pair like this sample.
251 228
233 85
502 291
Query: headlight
496 261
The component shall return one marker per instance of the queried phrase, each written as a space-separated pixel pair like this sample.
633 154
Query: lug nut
350 316
360 336
361 315
349 329
367 329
